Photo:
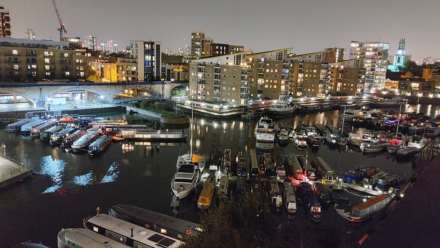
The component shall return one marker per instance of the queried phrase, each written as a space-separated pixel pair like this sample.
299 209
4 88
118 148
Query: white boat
282 108
185 180
265 131
80 237
197 160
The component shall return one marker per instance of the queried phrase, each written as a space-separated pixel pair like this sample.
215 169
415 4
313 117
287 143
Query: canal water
69 187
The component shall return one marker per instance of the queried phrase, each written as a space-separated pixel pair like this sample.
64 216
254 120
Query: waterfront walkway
11 172
415 221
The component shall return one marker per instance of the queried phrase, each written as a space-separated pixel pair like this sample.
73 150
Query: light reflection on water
112 174
54 169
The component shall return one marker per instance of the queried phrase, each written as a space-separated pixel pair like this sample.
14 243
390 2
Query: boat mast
191 130
343 120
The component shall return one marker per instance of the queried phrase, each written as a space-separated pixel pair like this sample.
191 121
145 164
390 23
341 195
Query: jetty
11 172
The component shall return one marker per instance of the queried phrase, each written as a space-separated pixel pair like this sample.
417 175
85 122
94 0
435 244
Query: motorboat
185 180
197 160
265 130
282 108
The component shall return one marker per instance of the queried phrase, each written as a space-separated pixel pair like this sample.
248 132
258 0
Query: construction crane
62 29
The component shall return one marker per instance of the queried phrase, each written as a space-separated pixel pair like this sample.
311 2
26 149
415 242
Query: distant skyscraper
30 34
91 43
149 59
400 58
373 57
5 22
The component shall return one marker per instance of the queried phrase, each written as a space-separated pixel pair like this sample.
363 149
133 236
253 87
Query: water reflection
112 173
54 169
83 180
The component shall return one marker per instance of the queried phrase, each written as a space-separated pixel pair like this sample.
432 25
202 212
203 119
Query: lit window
16 67
14 52
47 60
47 67
66 55
67 73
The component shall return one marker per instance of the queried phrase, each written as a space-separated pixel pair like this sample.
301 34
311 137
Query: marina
296 177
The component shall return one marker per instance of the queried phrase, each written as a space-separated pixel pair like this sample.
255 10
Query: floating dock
11 172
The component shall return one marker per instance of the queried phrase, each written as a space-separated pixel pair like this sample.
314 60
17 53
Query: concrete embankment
11 172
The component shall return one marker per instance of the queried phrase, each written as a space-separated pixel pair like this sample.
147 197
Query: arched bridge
39 94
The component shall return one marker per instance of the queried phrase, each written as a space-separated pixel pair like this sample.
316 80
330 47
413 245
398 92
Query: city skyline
260 26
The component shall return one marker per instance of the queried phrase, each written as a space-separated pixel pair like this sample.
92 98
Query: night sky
306 25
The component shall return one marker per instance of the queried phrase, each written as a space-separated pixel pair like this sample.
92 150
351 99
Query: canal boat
171 226
290 199
283 137
223 187
27 128
66 144
99 145
265 130
185 180
276 196
83 143
15 127
310 201
45 136
206 195
130 234
366 209
81 237
58 137
35 132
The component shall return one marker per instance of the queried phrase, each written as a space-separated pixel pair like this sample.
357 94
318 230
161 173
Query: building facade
5 23
33 60
373 57
113 70
149 60
221 79
400 58
203 47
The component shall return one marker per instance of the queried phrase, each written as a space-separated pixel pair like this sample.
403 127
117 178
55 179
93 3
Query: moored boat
83 143
66 144
36 131
58 137
206 195
185 180
265 131
27 128
45 135
15 127
99 145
